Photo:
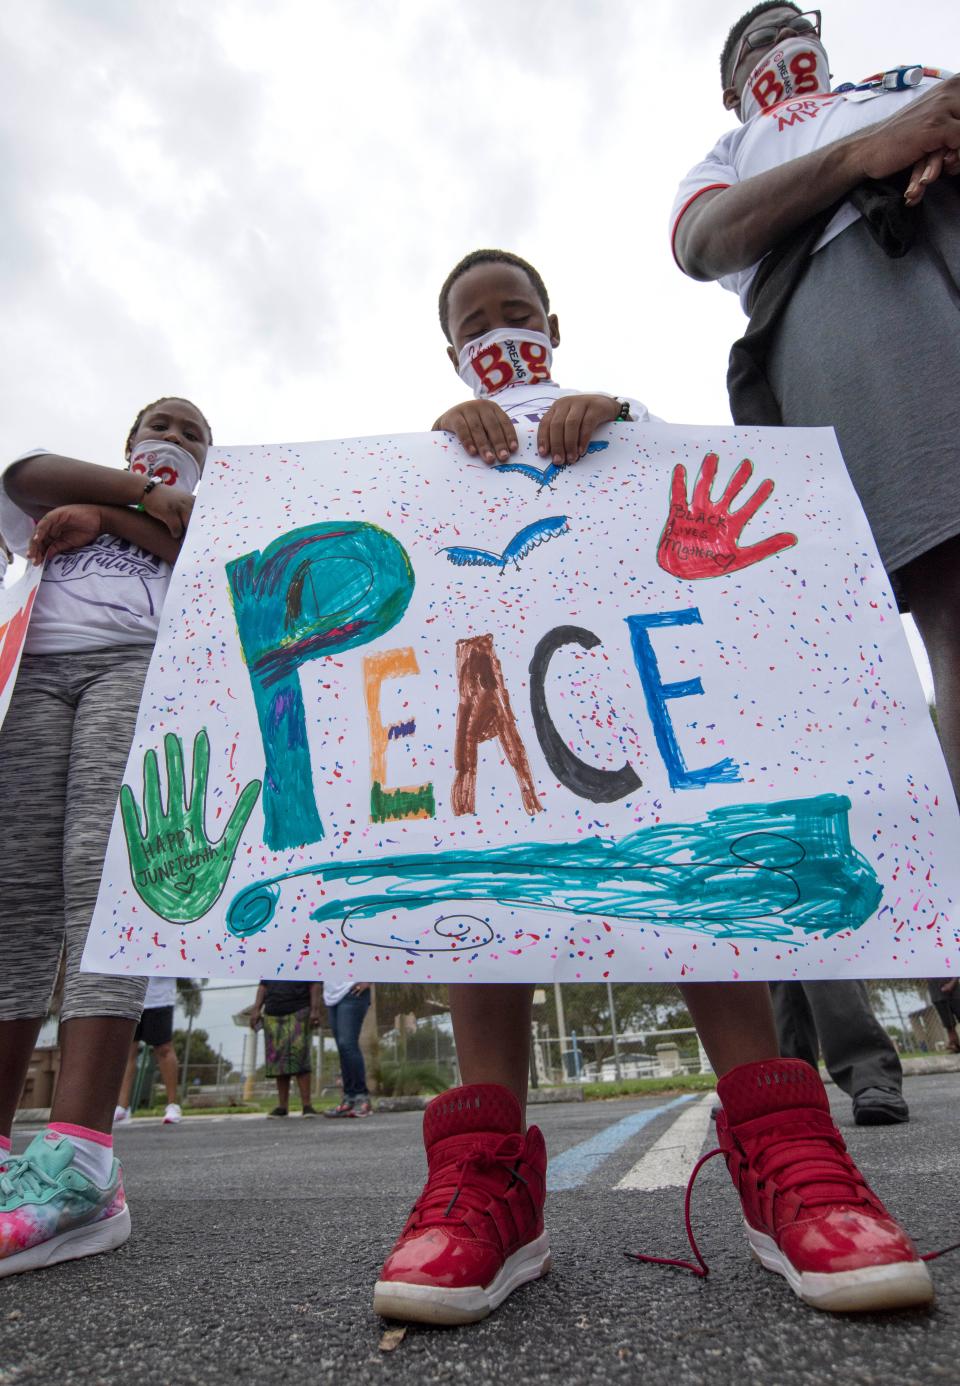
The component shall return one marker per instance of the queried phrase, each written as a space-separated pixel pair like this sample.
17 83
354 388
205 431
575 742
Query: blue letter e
657 693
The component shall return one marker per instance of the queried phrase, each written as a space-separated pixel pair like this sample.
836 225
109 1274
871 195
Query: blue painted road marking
576 1165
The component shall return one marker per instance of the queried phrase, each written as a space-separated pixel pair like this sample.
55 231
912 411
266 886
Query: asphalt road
256 1244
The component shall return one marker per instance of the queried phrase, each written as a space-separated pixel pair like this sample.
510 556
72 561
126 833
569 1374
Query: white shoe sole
902 1285
90 1240
393 1299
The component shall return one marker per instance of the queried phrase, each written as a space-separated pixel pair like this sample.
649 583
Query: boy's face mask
505 356
173 465
794 69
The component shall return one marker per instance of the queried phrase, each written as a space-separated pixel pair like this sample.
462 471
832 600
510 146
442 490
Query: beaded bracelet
152 483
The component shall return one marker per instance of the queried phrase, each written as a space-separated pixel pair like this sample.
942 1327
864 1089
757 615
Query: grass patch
628 1087
416 1078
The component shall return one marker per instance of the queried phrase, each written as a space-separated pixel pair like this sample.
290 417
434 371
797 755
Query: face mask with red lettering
506 356
793 69
173 465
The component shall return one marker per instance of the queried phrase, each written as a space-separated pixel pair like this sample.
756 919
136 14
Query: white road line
668 1162
575 1165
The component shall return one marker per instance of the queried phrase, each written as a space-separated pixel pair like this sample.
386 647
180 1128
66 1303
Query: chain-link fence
602 1032
580 1033
928 1033
584 1032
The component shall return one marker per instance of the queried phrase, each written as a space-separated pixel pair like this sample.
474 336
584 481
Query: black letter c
586 781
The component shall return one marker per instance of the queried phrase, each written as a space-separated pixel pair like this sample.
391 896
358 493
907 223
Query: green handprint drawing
175 868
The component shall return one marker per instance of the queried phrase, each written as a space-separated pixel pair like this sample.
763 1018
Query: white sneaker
173 1114
122 1117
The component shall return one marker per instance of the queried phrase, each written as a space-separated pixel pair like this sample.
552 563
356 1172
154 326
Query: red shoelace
812 1171
701 1269
437 1203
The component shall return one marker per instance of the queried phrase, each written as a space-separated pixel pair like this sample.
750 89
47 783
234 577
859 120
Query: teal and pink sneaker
50 1212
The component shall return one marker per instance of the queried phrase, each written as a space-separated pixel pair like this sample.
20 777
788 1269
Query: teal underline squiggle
748 871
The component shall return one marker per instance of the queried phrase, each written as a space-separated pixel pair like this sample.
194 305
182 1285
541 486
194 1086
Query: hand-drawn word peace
322 589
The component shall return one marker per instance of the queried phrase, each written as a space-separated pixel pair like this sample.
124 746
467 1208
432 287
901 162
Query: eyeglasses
799 24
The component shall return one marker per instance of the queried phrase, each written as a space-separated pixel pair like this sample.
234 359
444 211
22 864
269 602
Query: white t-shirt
777 135
525 405
161 991
108 593
335 991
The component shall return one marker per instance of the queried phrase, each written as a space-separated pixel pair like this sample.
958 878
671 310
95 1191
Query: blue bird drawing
543 476
522 543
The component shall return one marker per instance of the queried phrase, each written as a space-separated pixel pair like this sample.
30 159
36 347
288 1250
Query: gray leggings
63 751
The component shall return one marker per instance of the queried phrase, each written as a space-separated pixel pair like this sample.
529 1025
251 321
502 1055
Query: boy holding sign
476 1232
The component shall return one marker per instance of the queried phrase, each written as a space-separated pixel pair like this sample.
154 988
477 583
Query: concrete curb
571 1093
917 1068
535 1097
932 1063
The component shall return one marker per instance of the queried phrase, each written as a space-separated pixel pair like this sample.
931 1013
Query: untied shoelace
701 1269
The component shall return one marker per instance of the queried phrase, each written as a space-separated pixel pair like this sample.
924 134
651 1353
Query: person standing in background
288 1012
836 1019
347 1005
945 996
156 1030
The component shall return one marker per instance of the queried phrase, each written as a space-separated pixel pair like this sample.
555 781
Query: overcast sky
255 204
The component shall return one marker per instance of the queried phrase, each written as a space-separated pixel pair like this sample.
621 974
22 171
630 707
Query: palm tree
190 996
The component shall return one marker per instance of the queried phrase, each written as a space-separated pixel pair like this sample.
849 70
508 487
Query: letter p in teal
656 693
315 591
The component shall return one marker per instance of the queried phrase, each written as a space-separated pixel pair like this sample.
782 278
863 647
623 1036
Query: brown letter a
484 712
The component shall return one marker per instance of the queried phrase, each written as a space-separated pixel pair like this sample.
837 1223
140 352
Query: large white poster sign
16 606
652 716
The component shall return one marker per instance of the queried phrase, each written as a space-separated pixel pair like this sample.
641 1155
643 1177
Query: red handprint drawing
701 539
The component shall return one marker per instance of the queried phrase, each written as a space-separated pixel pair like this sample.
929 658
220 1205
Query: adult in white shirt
852 289
865 342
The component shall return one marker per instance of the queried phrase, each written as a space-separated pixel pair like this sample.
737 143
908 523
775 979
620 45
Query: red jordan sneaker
476 1232
809 1213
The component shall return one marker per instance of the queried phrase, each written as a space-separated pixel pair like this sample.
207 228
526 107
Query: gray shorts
63 751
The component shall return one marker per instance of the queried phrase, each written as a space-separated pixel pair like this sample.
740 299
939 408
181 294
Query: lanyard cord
895 79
